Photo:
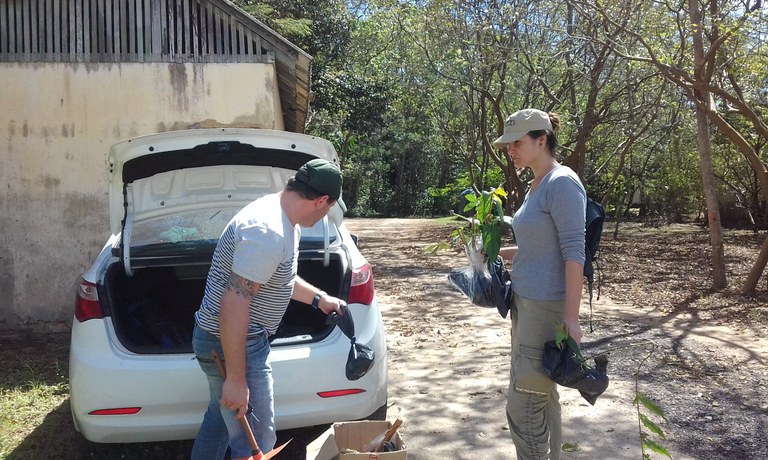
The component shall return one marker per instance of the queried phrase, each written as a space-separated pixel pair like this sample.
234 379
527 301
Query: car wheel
379 414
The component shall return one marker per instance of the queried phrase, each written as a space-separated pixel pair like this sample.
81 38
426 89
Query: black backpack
595 217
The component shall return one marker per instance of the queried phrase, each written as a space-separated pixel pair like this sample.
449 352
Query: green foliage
647 441
442 199
650 405
654 447
286 26
486 223
412 93
562 337
571 447
672 182
483 227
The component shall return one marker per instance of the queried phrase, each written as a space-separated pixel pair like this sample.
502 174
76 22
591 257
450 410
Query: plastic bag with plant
565 365
485 282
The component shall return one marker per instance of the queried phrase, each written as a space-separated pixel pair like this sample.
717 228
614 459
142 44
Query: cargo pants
533 403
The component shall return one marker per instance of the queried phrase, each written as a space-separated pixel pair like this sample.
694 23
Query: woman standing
547 278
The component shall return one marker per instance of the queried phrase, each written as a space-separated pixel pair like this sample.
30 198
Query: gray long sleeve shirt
549 229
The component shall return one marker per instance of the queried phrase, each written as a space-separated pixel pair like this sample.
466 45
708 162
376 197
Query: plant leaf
434 248
656 447
650 405
484 207
561 336
571 447
576 351
652 427
491 240
499 210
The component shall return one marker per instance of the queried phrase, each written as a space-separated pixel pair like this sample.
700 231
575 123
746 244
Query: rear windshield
204 228
189 226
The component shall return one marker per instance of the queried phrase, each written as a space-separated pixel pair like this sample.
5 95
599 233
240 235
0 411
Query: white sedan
133 376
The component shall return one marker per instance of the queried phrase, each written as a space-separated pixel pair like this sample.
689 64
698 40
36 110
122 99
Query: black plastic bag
486 284
564 366
360 358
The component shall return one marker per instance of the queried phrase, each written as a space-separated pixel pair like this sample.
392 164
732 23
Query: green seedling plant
649 431
648 444
649 441
484 227
563 338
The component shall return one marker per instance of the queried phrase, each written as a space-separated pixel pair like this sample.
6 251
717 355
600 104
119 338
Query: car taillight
361 289
116 411
337 393
87 304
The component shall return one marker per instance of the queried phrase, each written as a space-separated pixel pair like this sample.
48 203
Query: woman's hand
573 328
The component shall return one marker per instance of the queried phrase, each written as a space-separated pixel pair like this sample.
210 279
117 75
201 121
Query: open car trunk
153 310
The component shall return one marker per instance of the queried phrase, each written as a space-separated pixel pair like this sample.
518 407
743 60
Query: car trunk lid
171 194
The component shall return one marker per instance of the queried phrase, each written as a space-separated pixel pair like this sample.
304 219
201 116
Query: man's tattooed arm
242 287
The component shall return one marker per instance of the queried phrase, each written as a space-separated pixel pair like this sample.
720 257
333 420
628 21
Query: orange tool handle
390 433
255 451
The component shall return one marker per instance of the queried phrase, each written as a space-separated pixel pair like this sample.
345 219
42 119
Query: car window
314 236
207 225
197 225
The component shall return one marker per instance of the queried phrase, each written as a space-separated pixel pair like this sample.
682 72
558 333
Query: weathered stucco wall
57 122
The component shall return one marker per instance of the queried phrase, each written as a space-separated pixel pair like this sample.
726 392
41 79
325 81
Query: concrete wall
57 122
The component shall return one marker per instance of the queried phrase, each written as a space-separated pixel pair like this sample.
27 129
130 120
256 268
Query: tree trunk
713 210
719 280
761 175
757 270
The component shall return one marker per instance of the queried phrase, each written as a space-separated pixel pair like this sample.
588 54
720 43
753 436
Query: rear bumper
172 391
301 374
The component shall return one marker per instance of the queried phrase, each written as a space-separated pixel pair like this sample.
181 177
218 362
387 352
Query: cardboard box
345 440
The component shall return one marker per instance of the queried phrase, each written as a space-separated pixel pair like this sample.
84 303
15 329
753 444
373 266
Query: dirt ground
702 356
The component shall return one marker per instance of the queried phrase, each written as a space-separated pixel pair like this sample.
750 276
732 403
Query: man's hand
329 304
234 396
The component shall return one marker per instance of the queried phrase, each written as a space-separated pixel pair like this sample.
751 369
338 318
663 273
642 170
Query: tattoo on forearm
242 286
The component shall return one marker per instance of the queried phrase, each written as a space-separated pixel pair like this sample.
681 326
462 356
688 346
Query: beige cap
521 123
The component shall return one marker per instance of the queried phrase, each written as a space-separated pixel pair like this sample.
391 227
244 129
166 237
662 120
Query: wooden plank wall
123 31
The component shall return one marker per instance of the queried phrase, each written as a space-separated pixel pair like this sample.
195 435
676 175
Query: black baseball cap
323 177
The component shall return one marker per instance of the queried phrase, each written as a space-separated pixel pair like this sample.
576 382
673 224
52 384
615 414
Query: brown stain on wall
270 84
67 130
7 278
80 209
178 78
50 183
47 132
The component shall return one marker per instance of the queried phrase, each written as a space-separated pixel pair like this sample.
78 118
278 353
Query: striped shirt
261 245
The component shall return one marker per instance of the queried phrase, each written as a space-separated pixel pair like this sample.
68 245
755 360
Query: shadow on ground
56 438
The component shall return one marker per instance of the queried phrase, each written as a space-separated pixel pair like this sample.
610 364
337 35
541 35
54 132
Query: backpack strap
595 217
590 282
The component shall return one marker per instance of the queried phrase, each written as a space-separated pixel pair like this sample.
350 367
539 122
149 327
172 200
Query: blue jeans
219 427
